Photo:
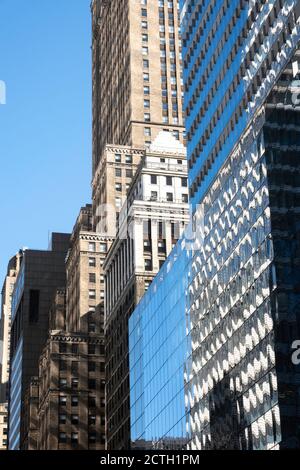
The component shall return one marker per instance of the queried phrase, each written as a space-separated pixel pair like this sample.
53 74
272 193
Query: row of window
63 382
63 438
103 247
169 197
74 418
75 401
92 348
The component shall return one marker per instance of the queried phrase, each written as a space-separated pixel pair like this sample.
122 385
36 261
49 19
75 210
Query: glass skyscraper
240 305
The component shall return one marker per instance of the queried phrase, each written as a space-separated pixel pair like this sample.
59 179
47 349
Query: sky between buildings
45 125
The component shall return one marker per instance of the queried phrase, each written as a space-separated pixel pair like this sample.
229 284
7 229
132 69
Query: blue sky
45 126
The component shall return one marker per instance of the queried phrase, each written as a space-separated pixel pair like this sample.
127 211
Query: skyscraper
40 273
152 219
241 309
137 80
5 324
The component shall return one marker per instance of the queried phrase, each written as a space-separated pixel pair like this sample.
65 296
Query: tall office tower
239 387
85 276
137 81
5 322
151 221
71 398
40 273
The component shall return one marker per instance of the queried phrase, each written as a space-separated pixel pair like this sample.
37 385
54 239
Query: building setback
151 221
41 272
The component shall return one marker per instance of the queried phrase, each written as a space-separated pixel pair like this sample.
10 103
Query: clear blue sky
45 126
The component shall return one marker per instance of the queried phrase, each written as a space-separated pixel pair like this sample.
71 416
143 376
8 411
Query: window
176 134
145 37
92 437
34 305
185 198
160 263
92 309
62 418
170 197
118 202
101 278
145 50
62 348
118 158
169 180
128 173
161 246
146 117
144 24
153 195
74 438
74 401
92 384
144 12
92 327
103 247
92 246
146 103
118 172
62 365
146 77
62 438
74 348
147 245
74 367
147 131
128 159
92 294
63 400
92 277
75 382
92 262
118 187
153 179
74 419
92 366
148 265
184 182
62 384
145 63
92 420
92 402
91 349
146 90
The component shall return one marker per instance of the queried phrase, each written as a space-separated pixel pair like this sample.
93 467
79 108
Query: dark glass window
34 303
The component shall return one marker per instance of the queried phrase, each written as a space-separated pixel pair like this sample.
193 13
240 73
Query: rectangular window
62 384
34 304
118 158
145 50
62 438
153 195
74 401
145 37
92 402
169 180
92 366
92 277
170 197
148 265
128 173
74 438
75 382
146 117
153 179
92 384
92 420
146 77
118 172
62 419
128 159
92 294
185 198
146 90
145 63
118 187
147 131
92 246
144 12
75 419
146 103
63 400
91 349
92 262
103 247
184 182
